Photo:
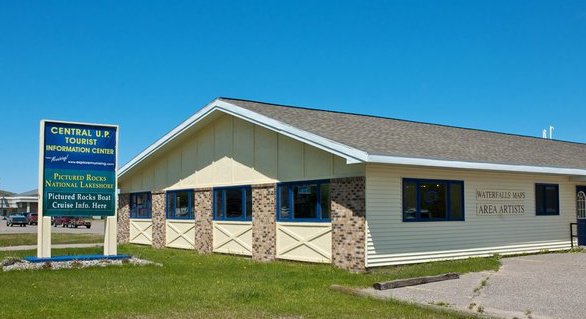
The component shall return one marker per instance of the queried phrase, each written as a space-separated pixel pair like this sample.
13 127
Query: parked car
16 219
79 222
32 218
71 221
60 221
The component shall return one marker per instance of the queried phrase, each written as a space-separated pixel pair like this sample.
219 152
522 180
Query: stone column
203 220
123 218
264 225
159 218
348 223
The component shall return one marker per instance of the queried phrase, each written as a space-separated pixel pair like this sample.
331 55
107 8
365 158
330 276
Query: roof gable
351 155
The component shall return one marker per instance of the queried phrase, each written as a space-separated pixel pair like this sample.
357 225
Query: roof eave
21 198
385 159
165 139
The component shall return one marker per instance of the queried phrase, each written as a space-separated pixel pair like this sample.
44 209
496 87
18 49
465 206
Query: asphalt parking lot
97 228
535 286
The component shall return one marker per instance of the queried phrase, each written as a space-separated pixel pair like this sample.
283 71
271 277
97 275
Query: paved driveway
538 286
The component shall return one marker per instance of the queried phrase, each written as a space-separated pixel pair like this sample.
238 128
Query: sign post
77 177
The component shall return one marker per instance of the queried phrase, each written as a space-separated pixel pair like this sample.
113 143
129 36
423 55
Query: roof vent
544 132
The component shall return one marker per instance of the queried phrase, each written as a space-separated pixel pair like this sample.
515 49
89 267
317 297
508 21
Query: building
279 182
26 202
4 202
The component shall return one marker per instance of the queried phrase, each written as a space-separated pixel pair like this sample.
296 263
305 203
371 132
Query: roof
372 139
5 193
392 137
33 192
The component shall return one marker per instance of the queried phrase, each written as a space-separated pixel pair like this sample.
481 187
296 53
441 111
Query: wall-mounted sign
79 169
500 202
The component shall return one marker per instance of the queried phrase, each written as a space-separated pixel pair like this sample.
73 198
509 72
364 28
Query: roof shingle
392 137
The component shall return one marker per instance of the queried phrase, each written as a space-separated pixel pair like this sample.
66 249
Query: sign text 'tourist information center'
79 169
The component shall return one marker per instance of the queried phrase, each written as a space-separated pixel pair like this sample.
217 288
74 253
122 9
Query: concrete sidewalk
57 246
538 286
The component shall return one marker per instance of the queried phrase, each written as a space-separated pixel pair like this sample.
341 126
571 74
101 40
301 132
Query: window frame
173 194
291 218
132 212
448 195
538 207
244 189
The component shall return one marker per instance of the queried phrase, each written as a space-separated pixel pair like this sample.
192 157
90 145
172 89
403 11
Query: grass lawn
190 285
56 238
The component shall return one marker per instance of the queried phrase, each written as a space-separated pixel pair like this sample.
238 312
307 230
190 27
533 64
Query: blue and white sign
79 169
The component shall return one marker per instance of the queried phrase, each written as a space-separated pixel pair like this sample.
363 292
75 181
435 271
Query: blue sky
509 66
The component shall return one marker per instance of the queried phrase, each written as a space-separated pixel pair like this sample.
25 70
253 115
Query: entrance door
581 214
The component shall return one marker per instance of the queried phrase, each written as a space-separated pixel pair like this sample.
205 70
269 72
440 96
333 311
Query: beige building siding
141 231
231 151
233 237
392 241
180 233
311 242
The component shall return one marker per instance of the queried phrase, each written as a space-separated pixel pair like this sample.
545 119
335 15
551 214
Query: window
432 200
547 199
233 203
304 201
140 205
179 204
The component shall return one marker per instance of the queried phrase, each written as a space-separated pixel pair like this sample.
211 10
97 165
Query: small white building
280 182
26 202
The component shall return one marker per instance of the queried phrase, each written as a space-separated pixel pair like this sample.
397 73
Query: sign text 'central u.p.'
79 169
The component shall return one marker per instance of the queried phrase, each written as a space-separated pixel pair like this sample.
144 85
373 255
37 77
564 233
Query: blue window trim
244 189
541 203
448 195
292 218
133 210
172 195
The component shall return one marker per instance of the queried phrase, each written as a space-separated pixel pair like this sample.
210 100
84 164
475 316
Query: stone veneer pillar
158 214
348 223
203 221
264 226
123 218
